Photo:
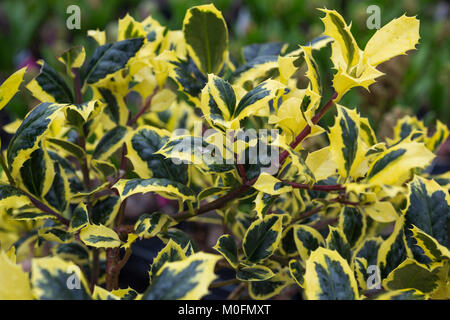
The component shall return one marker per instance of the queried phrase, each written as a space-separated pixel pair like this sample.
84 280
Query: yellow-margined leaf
187 279
269 184
98 36
32 130
80 218
227 248
170 253
336 240
297 270
49 86
427 208
411 274
254 273
262 290
392 251
335 27
110 143
206 36
438 138
142 147
307 240
404 294
381 211
10 86
149 225
11 197
346 145
262 238
130 28
392 166
167 188
353 224
73 58
432 249
329 277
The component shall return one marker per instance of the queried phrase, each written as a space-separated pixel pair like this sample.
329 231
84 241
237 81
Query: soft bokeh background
416 84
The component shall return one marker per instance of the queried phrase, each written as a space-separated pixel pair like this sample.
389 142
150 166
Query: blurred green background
416 84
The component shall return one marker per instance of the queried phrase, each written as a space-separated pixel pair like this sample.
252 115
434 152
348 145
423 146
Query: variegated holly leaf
110 143
55 279
32 130
392 166
206 36
170 253
392 251
262 238
80 218
353 224
227 248
307 240
254 273
10 86
49 86
297 271
167 188
336 240
99 236
15 282
149 225
142 148
346 144
329 277
262 290
109 58
428 208
412 275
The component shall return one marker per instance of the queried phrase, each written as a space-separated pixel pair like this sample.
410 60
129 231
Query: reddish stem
307 214
242 172
38 204
216 204
77 86
307 130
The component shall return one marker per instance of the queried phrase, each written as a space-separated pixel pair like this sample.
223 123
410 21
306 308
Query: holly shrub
352 218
